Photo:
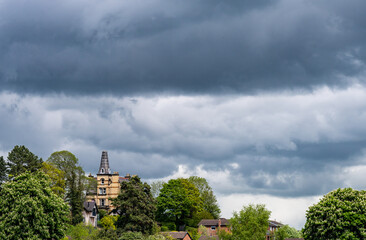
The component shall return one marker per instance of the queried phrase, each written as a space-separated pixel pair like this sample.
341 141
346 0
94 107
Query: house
214 225
272 227
178 235
90 213
108 185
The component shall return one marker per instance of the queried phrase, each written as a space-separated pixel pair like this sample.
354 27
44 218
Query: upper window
100 190
213 227
102 181
104 190
102 202
102 170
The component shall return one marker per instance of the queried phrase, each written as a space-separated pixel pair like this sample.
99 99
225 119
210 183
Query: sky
265 99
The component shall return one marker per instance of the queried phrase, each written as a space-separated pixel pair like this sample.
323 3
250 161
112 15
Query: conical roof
104 164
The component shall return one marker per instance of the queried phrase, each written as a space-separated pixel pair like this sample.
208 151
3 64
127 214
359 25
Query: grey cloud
134 47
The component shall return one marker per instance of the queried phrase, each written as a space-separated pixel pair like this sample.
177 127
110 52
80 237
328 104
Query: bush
82 232
132 236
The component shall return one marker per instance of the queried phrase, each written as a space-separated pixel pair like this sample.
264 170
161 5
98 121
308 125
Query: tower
104 164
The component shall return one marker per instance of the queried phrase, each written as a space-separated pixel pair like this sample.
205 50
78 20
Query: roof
177 235
214 222
89 206
272 223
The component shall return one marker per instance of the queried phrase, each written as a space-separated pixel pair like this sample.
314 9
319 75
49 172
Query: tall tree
135 206
210 203
287 232
30 210
74 181
250 223
3 170
341 214
57 178
20 160
156 187
178 201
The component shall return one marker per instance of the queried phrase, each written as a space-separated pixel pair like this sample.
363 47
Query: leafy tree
132 236
75 181
250 223
135 206
340 214
287 232
108 222
3 170
208 197
82 232
156 187
57 178
20 160
30 210
178 201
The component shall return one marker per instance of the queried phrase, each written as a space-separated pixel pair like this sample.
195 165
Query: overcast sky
266 99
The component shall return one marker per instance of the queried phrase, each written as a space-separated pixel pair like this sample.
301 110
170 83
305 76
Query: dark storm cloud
127 47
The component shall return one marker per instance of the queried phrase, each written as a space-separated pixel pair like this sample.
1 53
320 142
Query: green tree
287 232
108 222
340 214
57 178
82 232
30 210
156 187
75 182
136 207
3 170
208 197
20 160
178 201
250 223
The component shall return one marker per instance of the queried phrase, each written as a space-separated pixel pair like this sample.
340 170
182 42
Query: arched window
102 181
102 170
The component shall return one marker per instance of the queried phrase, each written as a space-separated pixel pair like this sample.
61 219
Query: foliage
225 235
210 203
30 210
57 178
132 236
250 223
107 234
193 232
102 213
3 170
82 232
20 160
340 214
75 182
178 201
203 230
108 222
156 187
287 232
136 207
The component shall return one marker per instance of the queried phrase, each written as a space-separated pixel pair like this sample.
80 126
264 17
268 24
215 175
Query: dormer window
102 170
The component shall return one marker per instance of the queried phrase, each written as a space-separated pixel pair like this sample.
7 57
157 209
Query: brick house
273 226
214 225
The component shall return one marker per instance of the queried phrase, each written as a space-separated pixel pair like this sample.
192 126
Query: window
102 170
104 190
102 181
101 202
213 227
100 190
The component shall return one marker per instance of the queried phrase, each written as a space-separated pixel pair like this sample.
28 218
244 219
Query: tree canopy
208 197
135 206
340 214
30 210
287 232
20 160
3 170
178 201
75 181
250 223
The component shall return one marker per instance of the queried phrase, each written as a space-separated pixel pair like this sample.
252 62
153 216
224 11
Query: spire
104 164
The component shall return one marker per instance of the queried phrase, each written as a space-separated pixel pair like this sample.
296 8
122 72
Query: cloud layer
137 47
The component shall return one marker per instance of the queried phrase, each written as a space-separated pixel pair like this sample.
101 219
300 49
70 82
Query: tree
108 222
57 178
135 206
250 223
75 182
156 187
287 232
178 201
20 160
30 210
208 197
3 170
340 214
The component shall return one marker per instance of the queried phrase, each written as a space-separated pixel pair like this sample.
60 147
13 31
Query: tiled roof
274 223
214 222
176 235
89 205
